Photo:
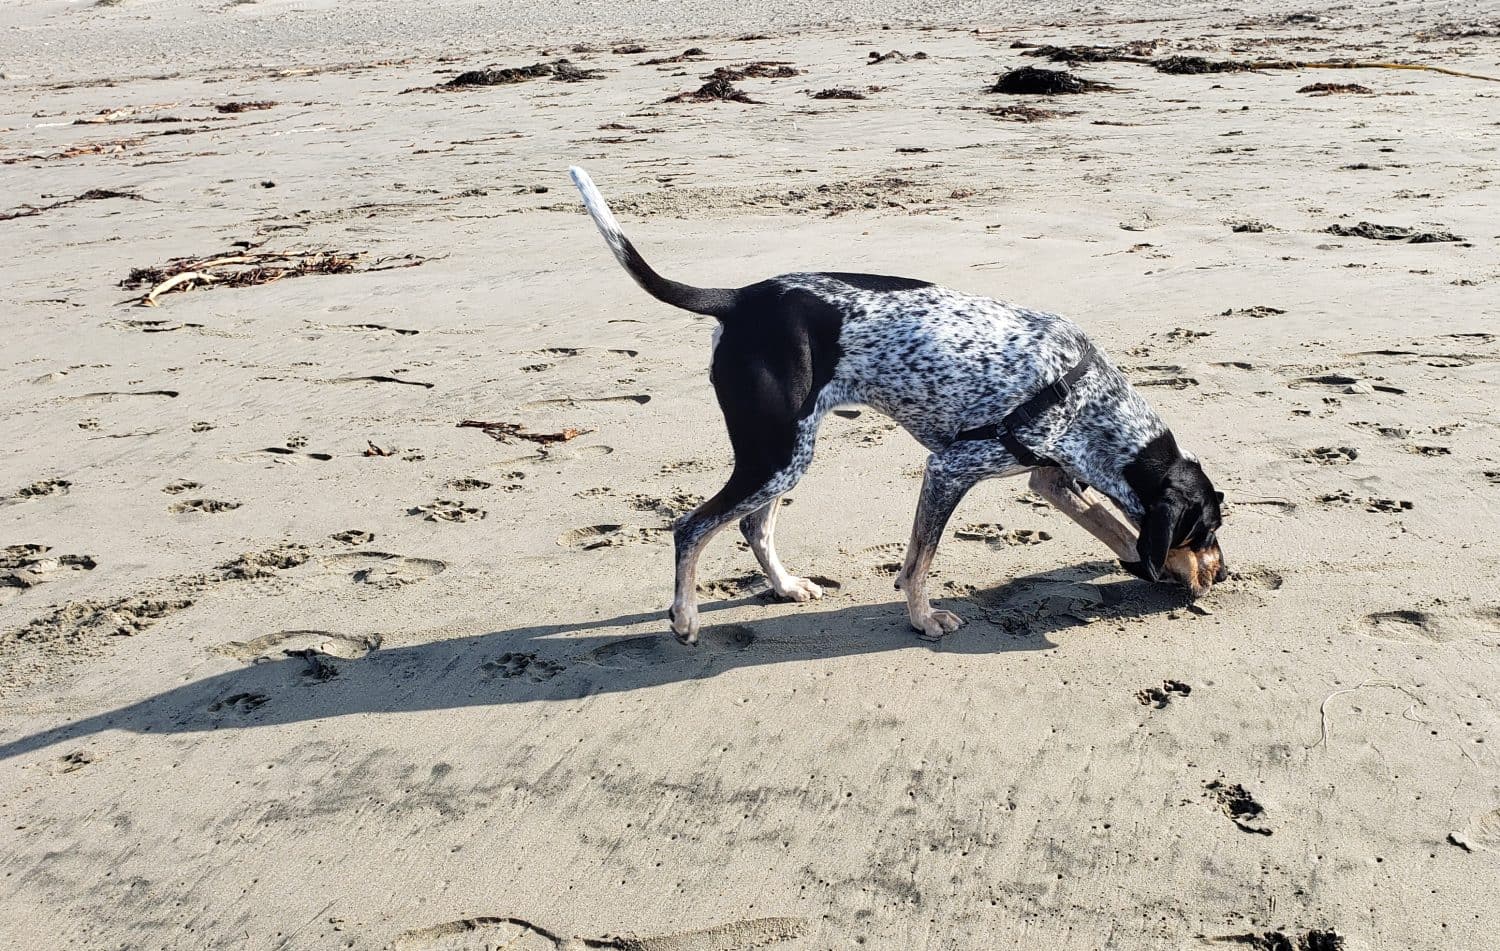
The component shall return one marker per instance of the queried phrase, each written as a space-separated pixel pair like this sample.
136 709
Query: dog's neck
1130 473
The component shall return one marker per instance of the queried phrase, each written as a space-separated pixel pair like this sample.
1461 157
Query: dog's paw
936 624
799 589
685 624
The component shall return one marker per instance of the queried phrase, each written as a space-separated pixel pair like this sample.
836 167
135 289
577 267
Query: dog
989 389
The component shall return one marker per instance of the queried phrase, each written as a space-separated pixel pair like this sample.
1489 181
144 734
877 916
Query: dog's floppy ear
1157 530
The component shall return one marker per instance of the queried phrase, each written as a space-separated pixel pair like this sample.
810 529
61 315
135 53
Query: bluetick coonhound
989 388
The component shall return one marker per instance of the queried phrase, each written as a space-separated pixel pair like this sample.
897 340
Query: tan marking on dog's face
1197 569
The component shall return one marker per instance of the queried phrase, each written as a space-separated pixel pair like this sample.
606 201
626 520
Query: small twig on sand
1323 707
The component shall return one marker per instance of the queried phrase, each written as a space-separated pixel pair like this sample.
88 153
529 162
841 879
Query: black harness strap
1047 398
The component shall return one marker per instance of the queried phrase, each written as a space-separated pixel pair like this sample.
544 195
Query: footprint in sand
721 589
273 647
240 703
514 664
1481 833
353 536
468 485
594 537
203 505
26 566
1238 805
382 569
1345 497
671 506
1441 624
71 762
447 510
1159 697
1408 626
37 490
996 535
654 649
1427 450
179 487
1329 455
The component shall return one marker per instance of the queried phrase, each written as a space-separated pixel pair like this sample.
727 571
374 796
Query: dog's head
1179 530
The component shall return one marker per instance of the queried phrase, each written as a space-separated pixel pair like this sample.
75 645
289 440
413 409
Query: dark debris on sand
505 432
715 90
1192 65
560 70
234 107
687 55
248 268
1331 89
761 69
836 93
1316 940
894 56
1032 81
1024 113
93 194
1374 232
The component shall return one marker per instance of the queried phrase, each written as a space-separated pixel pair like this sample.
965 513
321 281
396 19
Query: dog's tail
712 301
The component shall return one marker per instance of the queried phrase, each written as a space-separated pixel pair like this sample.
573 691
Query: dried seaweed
234 107
1024 113
561 70
838 94
1032 81
893 56
93 194
760 69
686 55
248 268
505 432
1329 89
1374 232
715 90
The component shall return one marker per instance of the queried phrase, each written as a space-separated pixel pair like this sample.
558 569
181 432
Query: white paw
685 624
936 624
799 589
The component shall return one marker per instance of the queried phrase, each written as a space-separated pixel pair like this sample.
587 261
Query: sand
289 659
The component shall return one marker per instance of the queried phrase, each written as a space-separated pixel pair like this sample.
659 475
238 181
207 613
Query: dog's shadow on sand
562 662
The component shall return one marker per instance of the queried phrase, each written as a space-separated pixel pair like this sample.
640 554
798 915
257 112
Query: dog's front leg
943 486
1058 488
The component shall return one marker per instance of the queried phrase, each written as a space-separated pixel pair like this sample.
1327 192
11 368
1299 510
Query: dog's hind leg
759 529
758 480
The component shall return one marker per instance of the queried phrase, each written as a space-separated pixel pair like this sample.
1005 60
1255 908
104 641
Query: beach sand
290 659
